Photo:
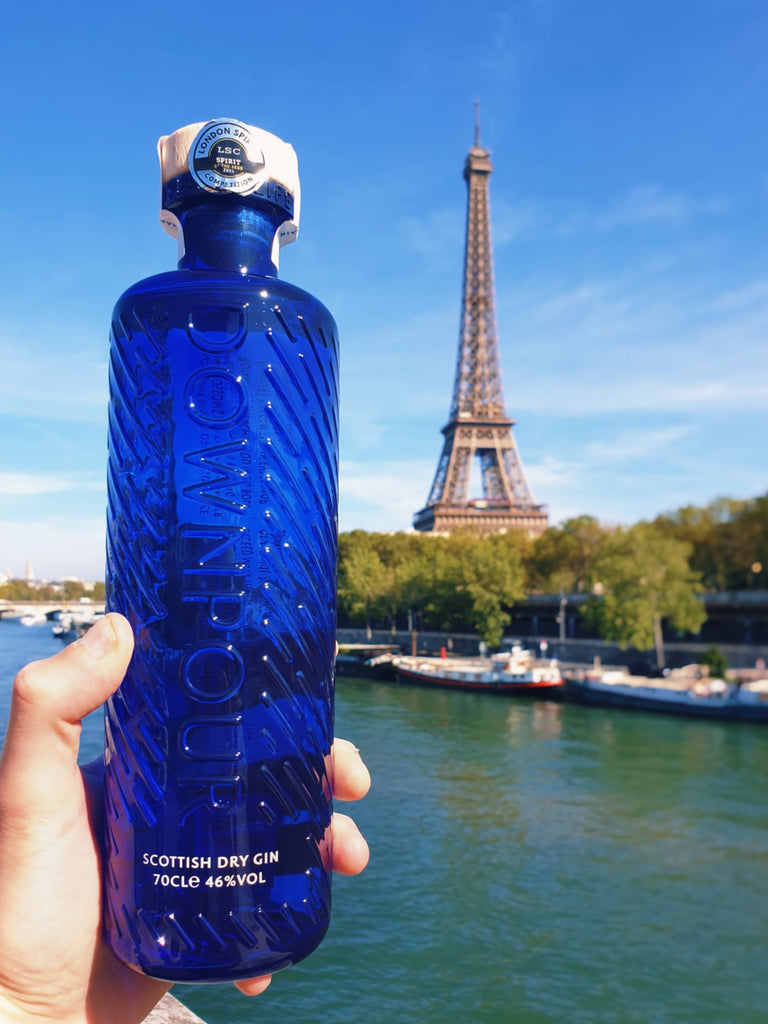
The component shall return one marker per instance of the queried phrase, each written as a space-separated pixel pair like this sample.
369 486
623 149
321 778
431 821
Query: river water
532 863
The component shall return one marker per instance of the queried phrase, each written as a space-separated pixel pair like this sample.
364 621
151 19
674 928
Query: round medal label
225 158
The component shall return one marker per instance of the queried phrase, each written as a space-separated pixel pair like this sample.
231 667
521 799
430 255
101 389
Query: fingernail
99 639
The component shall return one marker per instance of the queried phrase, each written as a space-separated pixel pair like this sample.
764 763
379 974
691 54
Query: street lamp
561 616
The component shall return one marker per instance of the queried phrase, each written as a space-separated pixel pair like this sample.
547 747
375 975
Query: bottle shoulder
215 287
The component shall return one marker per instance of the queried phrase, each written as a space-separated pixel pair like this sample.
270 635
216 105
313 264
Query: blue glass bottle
222 554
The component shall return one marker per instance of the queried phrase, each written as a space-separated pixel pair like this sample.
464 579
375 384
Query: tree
490 579
747 535
361 575
561 558
641 576
729 541
422 578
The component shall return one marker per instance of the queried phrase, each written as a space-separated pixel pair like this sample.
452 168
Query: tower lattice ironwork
479 428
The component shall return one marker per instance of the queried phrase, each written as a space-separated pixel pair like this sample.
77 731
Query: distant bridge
15 609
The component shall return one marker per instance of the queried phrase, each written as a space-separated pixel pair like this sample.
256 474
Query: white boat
514 672
32 620
702 698
366 661
73 626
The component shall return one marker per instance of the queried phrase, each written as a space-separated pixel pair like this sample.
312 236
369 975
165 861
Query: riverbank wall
739 656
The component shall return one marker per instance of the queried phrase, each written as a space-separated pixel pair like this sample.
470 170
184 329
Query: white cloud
636 444
617 492
635 341
438 235
54 548
394 374
71 385
749 296
622 391
30 484
531 217
649 203
385 495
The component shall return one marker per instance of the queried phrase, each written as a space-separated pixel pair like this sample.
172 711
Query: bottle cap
224 155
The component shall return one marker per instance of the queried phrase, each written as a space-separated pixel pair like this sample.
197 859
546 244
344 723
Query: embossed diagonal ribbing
222 498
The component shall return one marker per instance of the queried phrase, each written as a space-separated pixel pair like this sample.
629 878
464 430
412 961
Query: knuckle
28 686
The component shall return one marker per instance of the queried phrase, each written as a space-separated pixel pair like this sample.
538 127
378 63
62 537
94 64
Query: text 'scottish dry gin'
222 554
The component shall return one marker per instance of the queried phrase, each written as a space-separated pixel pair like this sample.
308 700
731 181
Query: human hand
55 965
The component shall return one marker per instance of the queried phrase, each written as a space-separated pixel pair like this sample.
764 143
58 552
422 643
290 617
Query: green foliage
68 590
438 582
641 576
561 558
715 661
729 541
19 590
490 578
637 577
362 576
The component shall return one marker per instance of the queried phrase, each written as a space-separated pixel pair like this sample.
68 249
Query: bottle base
211 967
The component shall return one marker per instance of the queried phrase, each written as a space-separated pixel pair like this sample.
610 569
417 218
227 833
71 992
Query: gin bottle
221 551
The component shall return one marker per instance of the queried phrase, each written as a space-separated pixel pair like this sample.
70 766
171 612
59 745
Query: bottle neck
228 236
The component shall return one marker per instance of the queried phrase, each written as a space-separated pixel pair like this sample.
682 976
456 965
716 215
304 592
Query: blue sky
629 201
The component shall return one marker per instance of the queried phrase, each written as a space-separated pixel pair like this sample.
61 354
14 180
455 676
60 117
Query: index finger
351 778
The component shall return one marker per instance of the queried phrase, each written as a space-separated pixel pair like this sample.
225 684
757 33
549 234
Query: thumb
50 698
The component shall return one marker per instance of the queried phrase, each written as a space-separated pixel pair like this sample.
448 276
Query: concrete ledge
171 1011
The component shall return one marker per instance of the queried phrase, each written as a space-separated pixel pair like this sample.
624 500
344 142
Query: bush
717 663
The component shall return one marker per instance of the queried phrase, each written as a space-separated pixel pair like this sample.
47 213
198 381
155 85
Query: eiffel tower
479 428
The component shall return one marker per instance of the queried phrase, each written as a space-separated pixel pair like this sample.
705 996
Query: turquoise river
531 863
